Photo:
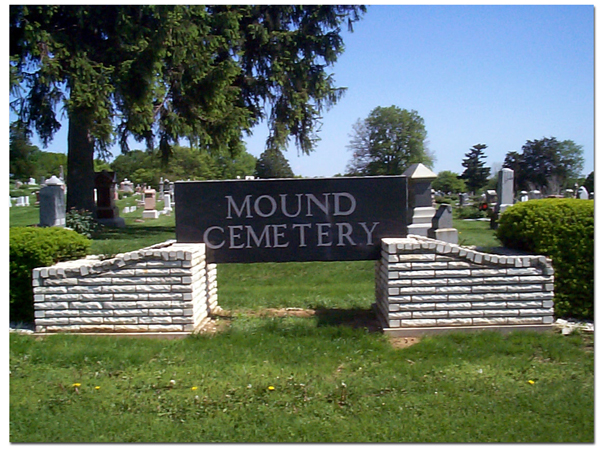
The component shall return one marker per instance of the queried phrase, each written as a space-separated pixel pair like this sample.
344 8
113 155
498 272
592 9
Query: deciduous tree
448 181
387 142
546 164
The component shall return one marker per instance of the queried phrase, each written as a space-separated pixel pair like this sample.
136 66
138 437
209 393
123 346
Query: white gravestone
52 204
505 191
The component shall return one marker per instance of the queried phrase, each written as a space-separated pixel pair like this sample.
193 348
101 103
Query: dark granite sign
320 219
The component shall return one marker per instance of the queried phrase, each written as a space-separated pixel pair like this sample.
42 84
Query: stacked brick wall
424 284
163 288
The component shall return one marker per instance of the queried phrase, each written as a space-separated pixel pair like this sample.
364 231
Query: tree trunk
80 163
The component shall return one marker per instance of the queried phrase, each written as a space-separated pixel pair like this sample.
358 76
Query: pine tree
272 164
475 174
160 73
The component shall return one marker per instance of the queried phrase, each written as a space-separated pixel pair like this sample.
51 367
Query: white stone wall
167 287
426 285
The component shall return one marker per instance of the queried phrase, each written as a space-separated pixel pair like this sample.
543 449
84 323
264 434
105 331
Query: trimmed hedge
32 247
562 229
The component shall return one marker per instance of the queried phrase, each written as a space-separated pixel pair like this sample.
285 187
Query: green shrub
470 212
32 247
562 229
83 222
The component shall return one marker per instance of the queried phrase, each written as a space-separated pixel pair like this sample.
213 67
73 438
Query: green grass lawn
319 377
473 232
296 380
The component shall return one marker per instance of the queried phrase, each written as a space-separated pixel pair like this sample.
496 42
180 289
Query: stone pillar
52 204
506 185
420 206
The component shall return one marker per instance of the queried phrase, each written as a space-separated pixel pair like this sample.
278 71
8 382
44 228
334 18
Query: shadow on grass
134 232
357 318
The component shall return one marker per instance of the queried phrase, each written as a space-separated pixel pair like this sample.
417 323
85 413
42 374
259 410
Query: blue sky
496 75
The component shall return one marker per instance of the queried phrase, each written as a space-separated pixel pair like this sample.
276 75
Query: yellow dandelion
531 382
97 388
271 388
194 388
76 385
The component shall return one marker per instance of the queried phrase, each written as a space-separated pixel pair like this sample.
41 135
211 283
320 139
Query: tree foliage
21 153
475 174
387 142
448 182
547 165
159 73
143 167
28 161
272 164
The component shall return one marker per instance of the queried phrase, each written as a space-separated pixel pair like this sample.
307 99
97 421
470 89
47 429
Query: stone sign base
425 286
165 288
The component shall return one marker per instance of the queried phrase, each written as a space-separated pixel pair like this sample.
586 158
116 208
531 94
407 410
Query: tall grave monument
107 212
420 205
52 203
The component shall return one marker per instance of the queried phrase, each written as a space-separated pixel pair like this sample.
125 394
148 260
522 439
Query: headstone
168 208
523 197
107 213
582 193
31 181
420 206
161 185
441 225
443 217
62 174
463 198
535 195
150 211
170 189
52 204
20 201
18 184
591 197
127 186
491 197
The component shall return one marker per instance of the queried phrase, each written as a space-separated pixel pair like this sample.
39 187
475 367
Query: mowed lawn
288 361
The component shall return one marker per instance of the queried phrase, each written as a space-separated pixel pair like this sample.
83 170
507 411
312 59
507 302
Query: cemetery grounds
295 357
